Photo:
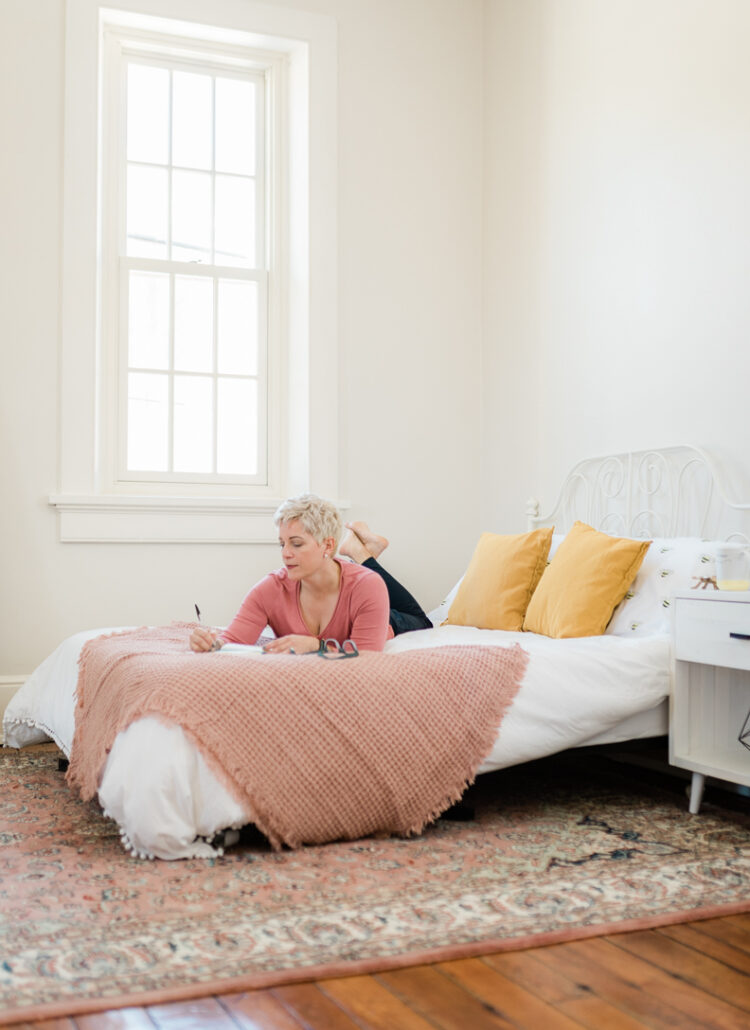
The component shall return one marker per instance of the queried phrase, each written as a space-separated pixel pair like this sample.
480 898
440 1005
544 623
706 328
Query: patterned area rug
556 850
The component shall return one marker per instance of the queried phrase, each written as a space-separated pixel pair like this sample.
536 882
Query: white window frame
119 45
299 48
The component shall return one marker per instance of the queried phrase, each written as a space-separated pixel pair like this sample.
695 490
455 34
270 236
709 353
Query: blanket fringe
454 797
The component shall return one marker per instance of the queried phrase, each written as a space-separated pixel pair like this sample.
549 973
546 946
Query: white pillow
671 566
438 615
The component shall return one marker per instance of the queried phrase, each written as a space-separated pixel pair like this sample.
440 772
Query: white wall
410 321
617 237
599 246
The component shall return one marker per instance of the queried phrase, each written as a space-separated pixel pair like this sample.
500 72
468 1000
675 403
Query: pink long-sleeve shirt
361 612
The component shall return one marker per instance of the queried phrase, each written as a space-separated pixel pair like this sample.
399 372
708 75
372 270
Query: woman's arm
293 643
370 612
251 619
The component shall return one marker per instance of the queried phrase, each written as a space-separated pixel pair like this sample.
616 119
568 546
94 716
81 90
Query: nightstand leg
696 792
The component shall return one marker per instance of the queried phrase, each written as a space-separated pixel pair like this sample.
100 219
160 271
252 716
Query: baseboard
8 686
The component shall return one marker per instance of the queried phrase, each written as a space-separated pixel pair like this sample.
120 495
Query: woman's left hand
294 643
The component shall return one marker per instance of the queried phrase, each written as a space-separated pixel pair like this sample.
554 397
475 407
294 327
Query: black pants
406 613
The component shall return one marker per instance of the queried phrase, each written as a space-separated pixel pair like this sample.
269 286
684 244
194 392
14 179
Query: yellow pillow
583 584
500 580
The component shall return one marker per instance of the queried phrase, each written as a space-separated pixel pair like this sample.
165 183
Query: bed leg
696 792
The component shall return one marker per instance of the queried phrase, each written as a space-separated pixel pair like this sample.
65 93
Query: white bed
576 692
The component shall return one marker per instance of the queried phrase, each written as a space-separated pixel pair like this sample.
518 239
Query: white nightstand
711 694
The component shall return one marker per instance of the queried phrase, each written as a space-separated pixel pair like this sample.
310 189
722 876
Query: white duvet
168 804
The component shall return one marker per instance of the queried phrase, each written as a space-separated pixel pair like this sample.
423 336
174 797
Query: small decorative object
704 576
733 566
704 582
744 737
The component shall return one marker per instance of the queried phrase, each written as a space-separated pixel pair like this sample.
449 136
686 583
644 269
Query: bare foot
352 547
375 544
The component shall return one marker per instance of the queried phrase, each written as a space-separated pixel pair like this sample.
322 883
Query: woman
316 595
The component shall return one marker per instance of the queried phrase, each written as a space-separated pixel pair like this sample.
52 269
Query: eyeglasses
332 649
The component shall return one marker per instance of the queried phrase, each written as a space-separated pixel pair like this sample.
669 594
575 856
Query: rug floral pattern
550 854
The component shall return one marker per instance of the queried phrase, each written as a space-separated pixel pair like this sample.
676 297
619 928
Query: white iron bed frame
666 492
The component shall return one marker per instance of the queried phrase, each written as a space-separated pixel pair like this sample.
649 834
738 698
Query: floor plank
362 997
700 970
595 1014
259 1010
514 1003
525 969
118 1019
734 933
614 987
45 1024
441 1001
198 1014
661 989
704 944
313 1008
741 920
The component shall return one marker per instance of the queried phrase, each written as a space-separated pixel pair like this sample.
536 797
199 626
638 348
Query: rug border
331 970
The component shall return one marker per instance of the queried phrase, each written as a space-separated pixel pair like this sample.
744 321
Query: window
199 354
188 308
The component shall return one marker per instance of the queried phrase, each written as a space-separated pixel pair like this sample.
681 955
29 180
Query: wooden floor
686 976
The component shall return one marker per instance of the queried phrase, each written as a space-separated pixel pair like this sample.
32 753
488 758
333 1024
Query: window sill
185 520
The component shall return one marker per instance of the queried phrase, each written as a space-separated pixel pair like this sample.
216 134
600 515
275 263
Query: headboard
670 492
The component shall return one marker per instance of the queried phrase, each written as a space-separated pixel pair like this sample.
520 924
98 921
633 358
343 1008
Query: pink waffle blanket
314 750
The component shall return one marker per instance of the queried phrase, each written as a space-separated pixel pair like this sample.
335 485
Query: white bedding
168 804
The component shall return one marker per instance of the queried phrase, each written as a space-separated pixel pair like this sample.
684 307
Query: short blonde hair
319 517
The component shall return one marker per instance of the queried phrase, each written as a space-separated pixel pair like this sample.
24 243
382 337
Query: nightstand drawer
712 632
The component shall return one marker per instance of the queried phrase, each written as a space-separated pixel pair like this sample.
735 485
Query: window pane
235 126
191 216
193 424
238 328
147 212
148 425
193 323
148 320
148 114
237 442
235 221
191 120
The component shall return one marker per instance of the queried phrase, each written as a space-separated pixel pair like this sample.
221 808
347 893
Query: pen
217 642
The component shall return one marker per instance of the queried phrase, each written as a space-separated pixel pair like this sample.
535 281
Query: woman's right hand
202 639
